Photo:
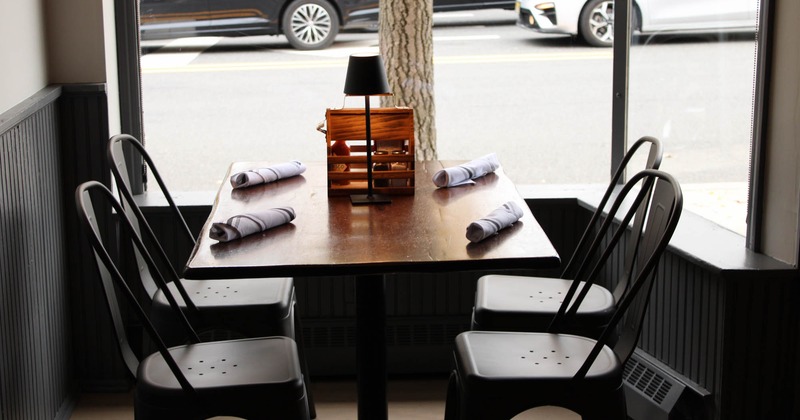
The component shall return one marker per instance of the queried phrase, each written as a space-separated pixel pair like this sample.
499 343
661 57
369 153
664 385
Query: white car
593 20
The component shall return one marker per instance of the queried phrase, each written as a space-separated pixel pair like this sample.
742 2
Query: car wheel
310 24
597 23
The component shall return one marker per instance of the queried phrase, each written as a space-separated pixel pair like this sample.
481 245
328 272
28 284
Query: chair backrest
662 197
579 256
117 146
89 196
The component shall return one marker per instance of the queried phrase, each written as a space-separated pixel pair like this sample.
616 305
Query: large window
695 92
542 102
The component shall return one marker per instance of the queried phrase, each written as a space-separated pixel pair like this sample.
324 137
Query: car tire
310 24
596 23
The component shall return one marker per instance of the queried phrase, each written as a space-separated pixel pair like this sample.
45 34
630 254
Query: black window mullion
130 85
619 112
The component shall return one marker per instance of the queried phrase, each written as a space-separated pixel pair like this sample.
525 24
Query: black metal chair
524 303
250 307
248 378
500 374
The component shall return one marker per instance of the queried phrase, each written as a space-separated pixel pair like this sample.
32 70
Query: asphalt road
542 103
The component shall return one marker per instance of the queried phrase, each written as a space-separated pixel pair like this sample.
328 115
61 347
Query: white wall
23 61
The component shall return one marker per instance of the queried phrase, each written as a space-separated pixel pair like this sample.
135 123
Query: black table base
371 347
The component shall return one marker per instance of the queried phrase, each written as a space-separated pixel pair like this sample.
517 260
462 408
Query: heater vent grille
652 392
650 383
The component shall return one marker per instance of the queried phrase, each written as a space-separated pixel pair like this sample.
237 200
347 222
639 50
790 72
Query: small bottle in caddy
340 148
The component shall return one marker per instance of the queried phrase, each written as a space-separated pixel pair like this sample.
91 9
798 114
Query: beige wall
782 192
23 71
76 48
45 42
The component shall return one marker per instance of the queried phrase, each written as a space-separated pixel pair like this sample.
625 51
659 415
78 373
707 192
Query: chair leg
452 402
458 406
301 345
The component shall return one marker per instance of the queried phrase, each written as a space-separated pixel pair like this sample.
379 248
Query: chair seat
521 357
227 376
506 373
520 303
254 307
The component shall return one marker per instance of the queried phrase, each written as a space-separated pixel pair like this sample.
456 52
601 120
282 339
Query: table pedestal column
371 347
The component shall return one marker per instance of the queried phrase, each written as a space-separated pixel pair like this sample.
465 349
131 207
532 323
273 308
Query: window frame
130 83
761 100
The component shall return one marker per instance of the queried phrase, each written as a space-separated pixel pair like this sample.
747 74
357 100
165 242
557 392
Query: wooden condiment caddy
392 131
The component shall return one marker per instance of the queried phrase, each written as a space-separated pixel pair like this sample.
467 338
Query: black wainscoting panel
83 135
35 374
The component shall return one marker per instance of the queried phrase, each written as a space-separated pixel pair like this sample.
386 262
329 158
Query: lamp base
363 199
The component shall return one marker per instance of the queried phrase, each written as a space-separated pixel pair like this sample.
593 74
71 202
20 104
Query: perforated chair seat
502 374
521 303
228 376
254 307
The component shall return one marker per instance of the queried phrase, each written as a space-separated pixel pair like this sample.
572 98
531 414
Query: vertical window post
755 192
129 75
619 110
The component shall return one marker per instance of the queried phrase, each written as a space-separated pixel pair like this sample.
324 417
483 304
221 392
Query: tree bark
406 45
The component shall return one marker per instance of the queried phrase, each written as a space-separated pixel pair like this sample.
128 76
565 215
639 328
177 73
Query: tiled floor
417 399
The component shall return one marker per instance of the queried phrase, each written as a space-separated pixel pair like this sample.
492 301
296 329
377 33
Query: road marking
179 52
333 63
289 65
341 50
346 49
171 55
452 15
465 38
522 58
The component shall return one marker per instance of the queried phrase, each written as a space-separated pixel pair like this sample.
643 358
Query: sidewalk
722 203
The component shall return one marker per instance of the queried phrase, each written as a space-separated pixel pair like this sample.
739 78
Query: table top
424 232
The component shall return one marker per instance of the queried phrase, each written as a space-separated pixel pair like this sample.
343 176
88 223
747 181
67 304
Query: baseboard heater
655 392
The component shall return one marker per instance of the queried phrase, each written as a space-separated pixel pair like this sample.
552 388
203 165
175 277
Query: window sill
697 239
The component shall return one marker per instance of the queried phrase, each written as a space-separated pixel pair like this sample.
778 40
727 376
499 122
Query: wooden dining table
424 232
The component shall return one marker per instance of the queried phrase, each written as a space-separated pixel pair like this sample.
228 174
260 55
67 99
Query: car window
700 14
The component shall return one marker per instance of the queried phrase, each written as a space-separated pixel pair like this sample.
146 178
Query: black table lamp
366 77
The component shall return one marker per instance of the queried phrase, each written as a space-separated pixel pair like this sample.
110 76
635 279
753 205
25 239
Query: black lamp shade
366 76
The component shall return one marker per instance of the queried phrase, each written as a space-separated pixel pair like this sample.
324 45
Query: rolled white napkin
265 175
466 172
242 225
500 218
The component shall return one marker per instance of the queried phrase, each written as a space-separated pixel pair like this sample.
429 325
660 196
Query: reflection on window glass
693 89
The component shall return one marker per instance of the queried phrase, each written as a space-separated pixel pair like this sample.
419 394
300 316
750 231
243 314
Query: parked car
593 20
307 24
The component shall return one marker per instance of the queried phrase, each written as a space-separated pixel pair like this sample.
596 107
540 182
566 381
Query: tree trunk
406 45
